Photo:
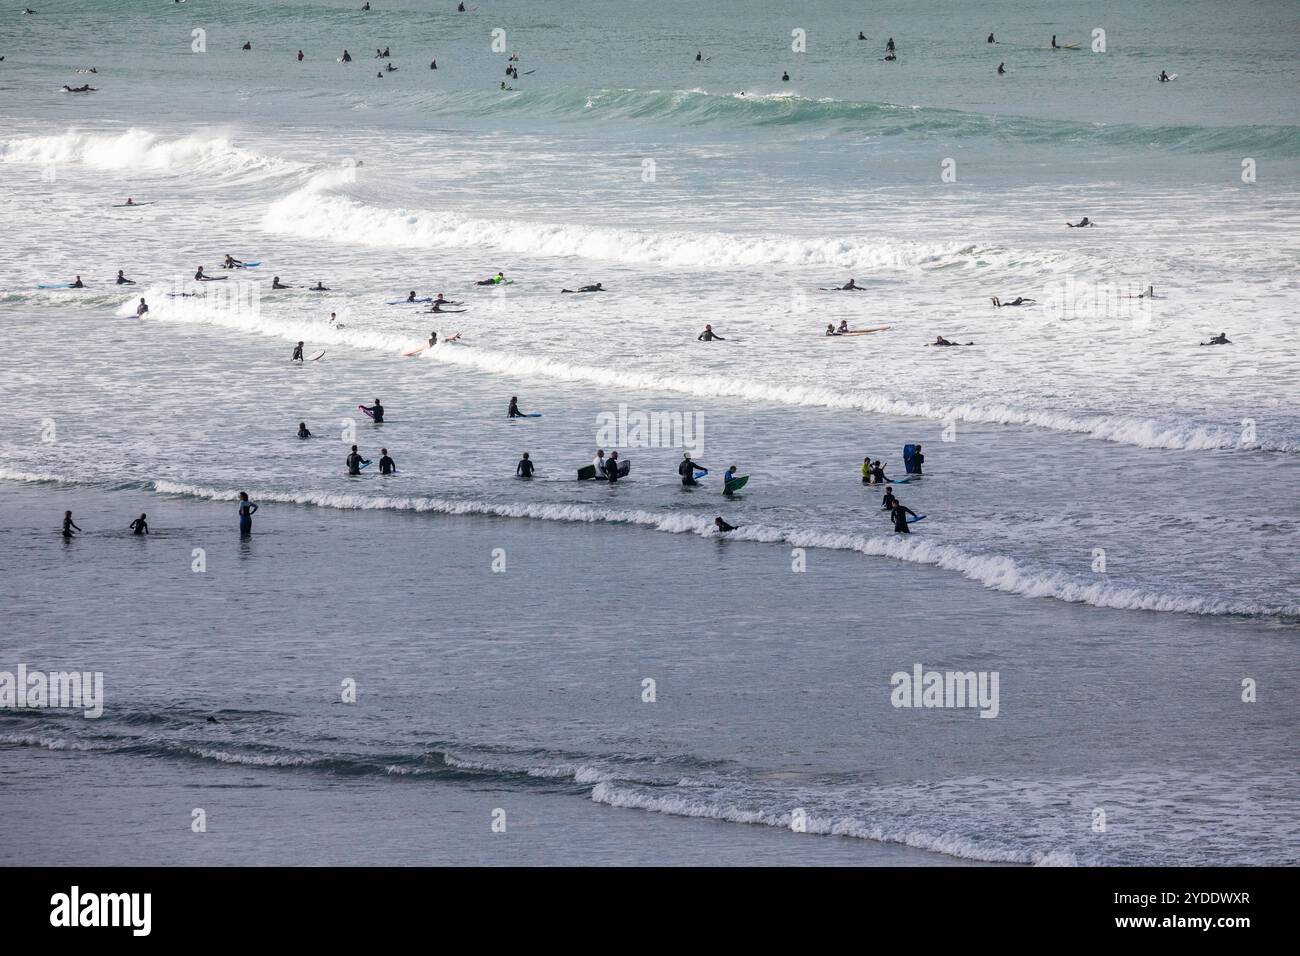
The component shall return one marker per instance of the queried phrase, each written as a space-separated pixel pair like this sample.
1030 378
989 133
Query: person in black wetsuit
887 503
708 335
77 283
861 35
525 467
377 412
722 525
123 280
1002 68
277 284
1019 300
1082 223
346 57
513 411
917 461
354 462
687 470
303 430
139 525
889 47
785 76
990 39
410 297
878 472
587 288
1220 339
142 308
297 353
850 286
319 287
898 514
68 524
386 465
247 45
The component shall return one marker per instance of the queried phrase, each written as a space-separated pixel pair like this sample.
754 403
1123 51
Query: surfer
247 45
232 263
990 39
129 201
785 76
318 287
460 8
433 64
69 525
697 56
355 461
525 467
1002 68
708 335
898 514
376 411
878 472
438 306
433 339
940 340
332 318
889 47
830 329
1054 46
599 463
687 470
140 525
917 461
386 465
722 525
728 476
611 467
246 511
587 288
142 308
300 56
77 283
889 501
346 57
513 411
390 68
297 353
123 280
844 327
87 88
1220 339
277 284
495 280
410 296
303 430
850 286
1164 77
1019 300
861 35
1085 221
365 6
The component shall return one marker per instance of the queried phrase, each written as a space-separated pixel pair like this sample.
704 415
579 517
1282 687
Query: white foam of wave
138 150
997 572
949 844
1122 429
314 212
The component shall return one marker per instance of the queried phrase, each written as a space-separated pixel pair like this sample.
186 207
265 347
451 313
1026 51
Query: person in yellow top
866 470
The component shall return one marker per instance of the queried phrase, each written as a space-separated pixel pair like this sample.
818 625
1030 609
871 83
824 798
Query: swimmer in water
708 335
303 431
722 526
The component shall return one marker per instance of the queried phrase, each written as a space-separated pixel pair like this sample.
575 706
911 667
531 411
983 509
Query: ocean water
1112 510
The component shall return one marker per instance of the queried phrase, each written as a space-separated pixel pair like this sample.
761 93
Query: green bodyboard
735 484
587 471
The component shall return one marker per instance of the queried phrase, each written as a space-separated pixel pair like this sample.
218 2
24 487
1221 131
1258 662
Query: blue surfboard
56 285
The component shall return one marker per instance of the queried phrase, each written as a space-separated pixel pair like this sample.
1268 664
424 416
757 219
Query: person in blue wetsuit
246 511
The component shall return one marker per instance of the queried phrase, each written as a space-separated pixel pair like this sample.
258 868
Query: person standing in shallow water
246 511
69 525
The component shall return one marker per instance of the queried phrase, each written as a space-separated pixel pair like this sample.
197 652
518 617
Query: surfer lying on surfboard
200 277
940 340
1220 339
850 286
1085 221
586 288
1019 300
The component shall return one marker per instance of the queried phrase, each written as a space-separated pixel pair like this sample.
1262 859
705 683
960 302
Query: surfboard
132 205
624 466
700 473
368 412
735 484
56 285
916 519
366 464
586 471
410 301
415 351
881 328
532 415
315 356
896 481
250 265
1172 76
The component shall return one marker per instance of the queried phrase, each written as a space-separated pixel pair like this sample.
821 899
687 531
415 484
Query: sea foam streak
141 151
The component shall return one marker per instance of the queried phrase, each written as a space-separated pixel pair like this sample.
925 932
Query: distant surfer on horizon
140 525
1054 46
386 465
525 467
1165 77
889 47
346 57
69 525
990 39
1019 300
598 287
785 76
297 353
246 511
697 56
376 411
861 35
708 335
122 279
1002 68
1220 339
77 283
1085 221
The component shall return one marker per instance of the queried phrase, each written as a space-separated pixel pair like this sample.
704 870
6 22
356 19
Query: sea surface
564 672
